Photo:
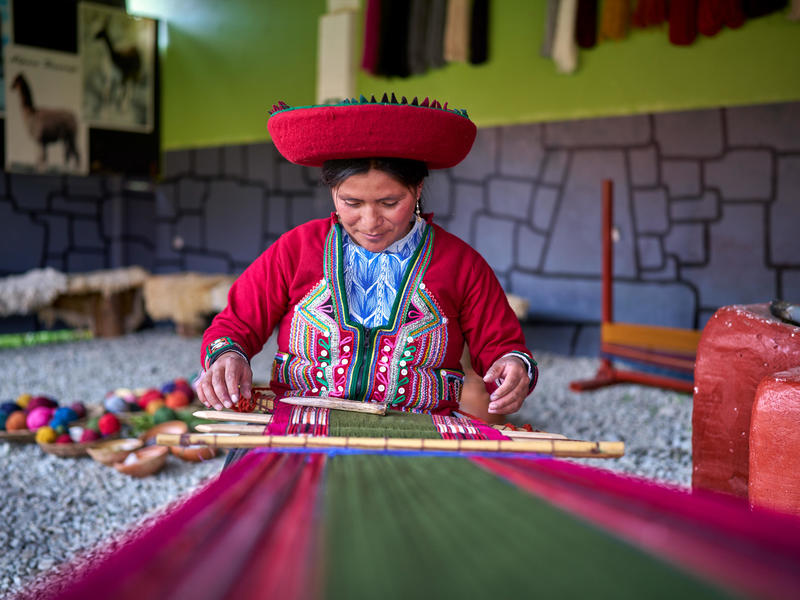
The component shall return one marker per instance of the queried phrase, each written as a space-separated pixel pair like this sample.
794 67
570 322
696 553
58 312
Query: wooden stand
664 347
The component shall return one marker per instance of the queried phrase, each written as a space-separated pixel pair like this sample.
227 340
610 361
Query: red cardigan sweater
449 296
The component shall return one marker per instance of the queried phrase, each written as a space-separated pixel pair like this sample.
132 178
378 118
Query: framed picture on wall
117 53
43 126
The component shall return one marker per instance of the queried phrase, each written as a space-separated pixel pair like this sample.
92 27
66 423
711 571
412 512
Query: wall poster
118 63
45 132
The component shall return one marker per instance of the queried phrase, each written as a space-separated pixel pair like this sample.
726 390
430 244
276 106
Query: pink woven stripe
714 536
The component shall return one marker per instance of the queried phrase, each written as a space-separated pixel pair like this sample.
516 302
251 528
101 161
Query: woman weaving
375 303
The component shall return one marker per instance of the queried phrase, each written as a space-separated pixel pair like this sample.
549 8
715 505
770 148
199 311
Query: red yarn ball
108 424
89 435
148 396
64 439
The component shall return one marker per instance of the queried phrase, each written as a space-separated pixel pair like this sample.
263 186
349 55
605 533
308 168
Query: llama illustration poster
118 57
44 129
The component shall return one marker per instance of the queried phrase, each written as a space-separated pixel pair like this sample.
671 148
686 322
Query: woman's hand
220 386
512 377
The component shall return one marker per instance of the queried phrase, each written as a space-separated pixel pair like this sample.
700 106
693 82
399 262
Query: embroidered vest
332 355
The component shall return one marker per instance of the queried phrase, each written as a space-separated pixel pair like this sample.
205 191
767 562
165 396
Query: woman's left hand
512 376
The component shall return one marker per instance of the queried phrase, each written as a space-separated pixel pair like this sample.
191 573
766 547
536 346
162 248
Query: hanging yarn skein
565 50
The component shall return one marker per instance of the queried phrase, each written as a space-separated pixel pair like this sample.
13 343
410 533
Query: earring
419 208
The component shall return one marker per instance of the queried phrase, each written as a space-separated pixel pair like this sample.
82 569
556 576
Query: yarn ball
37 401
65 414
79 408
16 421
39 417
23 400
108 424
149 396
164 414
93 424
3 417
125 394
168 388
64 439
115 404
9 407
177 399
59 428
183 386
45 435
154 406
75 433
89 435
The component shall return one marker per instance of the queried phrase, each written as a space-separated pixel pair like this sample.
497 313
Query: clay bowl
194 453
114 451
149 460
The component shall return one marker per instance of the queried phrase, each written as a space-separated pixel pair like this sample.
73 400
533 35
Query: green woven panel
399 527
395 424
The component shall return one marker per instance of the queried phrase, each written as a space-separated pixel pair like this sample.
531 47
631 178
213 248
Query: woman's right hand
228 378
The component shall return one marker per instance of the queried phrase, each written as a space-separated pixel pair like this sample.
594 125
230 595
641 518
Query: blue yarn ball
3 421
65 415
168 388
115 404
8 407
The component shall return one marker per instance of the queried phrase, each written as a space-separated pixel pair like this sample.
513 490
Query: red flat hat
428 132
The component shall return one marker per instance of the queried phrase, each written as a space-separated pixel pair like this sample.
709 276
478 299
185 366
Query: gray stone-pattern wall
707 209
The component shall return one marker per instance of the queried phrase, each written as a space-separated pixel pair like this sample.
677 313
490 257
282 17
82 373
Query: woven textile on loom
353 524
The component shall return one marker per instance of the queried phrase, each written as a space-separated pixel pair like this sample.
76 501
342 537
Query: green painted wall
226 61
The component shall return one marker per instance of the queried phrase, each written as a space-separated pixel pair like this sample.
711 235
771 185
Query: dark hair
408 172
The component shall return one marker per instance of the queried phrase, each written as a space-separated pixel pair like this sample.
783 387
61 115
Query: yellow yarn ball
45 435
153 406
23 399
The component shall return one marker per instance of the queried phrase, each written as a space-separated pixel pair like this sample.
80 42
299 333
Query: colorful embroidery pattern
308 420
331 354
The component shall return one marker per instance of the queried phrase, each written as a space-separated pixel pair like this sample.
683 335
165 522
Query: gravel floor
52 509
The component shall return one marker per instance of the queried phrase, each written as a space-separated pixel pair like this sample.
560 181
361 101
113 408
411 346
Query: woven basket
22 436
75 449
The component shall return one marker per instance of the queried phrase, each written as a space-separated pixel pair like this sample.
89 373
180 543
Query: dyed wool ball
79 408
177 399
23 400
45 435
89 435
148 397
16 421
164 414
108 424
59 428
183 386
65 414
9 407
3 417
115 404
154 405
75 433
37 401
38 417
93 424
64 439
168 388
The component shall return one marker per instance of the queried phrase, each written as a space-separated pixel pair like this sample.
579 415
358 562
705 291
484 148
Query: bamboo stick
230 428
373 408
230 415
554 447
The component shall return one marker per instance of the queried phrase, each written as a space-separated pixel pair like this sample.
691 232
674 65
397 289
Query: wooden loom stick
563 448
230 428
230 415
373 408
